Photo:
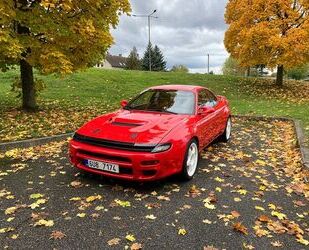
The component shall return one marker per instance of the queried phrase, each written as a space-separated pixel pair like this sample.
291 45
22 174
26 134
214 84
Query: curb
33 142
301 143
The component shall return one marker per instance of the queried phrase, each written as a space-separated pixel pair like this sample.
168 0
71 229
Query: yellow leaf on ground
36 196
130 237
10 210
81 215
46 223
123 203
93 198
280 216
259 208
182 231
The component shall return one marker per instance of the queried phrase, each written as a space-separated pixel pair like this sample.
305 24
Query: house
113 62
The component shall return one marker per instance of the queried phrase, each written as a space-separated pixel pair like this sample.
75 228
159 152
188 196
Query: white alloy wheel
228 129
192 159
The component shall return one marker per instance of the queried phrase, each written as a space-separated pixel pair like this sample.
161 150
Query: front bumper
135 166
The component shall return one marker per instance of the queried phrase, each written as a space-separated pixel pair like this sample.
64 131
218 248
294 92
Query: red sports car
157 134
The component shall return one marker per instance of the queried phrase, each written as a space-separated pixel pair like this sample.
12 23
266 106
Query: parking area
248 194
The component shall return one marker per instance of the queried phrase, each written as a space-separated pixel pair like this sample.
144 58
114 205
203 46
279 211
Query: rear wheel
190 161
225 137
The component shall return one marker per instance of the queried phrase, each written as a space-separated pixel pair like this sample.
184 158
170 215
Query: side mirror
123 103
205 110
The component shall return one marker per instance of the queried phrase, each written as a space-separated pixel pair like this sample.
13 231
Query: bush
180 69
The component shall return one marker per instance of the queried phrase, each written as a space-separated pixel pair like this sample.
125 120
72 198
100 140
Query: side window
202 98
212 99
207 99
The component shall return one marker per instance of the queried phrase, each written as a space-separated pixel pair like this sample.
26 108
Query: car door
215 103
206 122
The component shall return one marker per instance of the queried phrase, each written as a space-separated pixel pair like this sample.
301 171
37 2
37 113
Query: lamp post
149 32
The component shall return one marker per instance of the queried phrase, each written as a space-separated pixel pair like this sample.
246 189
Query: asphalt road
246 175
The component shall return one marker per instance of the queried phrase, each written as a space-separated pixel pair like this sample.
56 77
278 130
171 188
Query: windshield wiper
163 111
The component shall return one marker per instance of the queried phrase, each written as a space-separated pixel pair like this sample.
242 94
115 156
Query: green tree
299 73
148 53
232 67
133 61
158 62
55 36
180 68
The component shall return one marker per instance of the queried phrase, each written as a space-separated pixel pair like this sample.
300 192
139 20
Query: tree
133 61
273 33
180 69
148 53
157 59
299 73
232 67
158 62
55 36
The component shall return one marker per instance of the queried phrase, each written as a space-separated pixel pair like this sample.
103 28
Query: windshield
167 101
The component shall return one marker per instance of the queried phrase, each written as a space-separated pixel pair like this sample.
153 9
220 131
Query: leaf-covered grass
68 102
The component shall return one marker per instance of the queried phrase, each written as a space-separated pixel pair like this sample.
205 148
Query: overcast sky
185 31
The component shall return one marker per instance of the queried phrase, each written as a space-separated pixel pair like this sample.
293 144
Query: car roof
178 87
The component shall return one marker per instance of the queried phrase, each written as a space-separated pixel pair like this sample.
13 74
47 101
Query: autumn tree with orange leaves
270 32
55 36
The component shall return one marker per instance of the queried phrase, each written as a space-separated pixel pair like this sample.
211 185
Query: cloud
186 31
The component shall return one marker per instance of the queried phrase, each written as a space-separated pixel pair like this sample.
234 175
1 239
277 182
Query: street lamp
149 31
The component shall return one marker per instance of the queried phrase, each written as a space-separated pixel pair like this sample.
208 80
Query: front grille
105 156
113 144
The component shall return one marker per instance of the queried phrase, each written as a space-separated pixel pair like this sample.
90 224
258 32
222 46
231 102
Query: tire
191 160
226 136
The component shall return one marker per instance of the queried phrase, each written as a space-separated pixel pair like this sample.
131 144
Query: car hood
132 126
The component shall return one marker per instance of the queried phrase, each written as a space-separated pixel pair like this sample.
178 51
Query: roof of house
116 61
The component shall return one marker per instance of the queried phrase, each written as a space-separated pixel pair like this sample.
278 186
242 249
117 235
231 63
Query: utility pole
149 32
208 64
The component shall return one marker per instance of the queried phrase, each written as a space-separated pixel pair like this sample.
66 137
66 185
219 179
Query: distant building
113 62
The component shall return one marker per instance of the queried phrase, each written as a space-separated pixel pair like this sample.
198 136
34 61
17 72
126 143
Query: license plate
104 166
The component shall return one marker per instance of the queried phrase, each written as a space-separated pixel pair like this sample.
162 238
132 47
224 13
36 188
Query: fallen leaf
81 215
46 223
57 235
123 203
113 242
182 231
301 240
93 198
276 244
263 218
136 246
280 216
239 227
36 196
76 184
235 214
150 217
259 208
130 237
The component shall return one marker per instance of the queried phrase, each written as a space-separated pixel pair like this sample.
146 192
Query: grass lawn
68 102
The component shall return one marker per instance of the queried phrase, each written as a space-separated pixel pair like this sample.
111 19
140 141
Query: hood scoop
126 122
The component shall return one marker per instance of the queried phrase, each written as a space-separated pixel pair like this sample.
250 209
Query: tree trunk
28 88
280 72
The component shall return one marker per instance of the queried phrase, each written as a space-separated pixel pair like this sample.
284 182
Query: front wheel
225 137
190 161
